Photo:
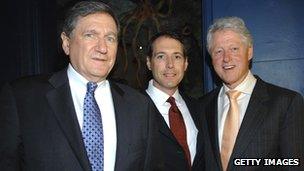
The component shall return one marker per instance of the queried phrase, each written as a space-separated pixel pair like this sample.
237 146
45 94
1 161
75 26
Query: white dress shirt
159 98
246 87
103 96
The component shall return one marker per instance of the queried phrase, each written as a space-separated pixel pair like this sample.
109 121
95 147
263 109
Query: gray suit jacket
39 128
272 128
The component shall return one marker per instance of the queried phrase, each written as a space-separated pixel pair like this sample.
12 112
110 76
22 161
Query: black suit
39 128
272 128
172 153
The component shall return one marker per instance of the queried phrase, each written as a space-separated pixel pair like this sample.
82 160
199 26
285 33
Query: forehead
226 36
96 21
167 43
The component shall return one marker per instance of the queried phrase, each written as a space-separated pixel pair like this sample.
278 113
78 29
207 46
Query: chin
171 84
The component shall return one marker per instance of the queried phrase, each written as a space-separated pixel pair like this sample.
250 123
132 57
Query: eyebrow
90 31
161 52
180 53
96 32
111 33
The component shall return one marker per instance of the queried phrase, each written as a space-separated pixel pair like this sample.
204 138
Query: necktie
92 129
231 128
178 127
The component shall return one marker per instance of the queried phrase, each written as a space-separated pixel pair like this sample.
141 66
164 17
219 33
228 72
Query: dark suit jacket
172 153
39 128
273 127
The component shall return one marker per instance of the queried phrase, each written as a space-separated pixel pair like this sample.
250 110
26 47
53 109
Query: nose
102 46
170 62
226 57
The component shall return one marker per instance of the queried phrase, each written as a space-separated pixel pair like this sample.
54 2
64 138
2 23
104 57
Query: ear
65 43
186 63
250 52
148 63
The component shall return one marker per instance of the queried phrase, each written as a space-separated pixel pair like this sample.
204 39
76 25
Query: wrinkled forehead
96 21
228 34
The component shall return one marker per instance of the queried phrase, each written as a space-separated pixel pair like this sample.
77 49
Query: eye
218 51
178 57
160 56
89 35
111 39
234 49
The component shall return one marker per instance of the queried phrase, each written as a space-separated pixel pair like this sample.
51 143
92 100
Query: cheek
157 66
216 63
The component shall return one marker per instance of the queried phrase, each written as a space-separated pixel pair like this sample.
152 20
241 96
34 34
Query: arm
292 132
10 140
153 159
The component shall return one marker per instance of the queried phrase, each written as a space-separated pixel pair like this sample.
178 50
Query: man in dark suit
262 122
179 140
43 122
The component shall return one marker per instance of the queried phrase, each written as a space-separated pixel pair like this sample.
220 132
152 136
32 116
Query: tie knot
91 87
233 94
171 100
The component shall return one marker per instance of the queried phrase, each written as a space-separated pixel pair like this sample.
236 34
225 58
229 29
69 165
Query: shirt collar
161 97
246 86
77 78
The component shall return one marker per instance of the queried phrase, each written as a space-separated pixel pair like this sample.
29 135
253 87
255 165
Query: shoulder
210 95
277 92
128 92
187 98
37 83
34 83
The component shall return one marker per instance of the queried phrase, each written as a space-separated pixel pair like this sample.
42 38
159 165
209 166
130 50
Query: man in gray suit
46 122
262 122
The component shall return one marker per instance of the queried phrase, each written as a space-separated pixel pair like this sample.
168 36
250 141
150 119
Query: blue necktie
92 129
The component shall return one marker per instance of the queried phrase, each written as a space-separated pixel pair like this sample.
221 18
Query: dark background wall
30 43
33 47
28 38
276 26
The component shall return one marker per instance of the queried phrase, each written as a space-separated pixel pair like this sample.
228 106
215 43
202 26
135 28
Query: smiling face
168 64
230 57
92 46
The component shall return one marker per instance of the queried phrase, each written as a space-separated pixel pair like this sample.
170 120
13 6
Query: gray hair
85 8
235 24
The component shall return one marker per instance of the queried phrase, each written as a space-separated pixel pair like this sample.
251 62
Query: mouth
99 59
228 67
169 74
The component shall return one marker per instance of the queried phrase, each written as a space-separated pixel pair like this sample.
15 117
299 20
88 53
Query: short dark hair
168 34
82 9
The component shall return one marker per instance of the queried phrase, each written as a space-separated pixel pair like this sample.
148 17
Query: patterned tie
92 129
231 128
178 128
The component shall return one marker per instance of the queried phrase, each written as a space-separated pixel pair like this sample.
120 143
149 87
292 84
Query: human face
230 57
168 64
92 46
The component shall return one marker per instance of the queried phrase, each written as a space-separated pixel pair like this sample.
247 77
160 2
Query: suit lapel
163 127
254 117
192 105
60 100
122 121
165 130
211 116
